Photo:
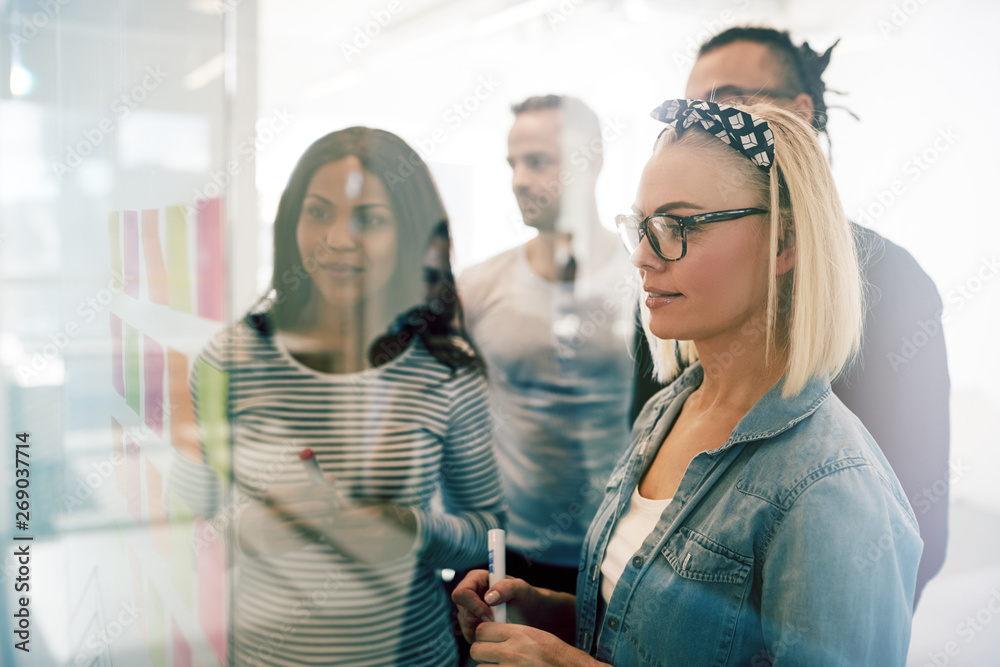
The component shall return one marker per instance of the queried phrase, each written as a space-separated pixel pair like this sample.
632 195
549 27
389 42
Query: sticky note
182 649
212 588
117 374
153 366
152 252
118 456
181 552
183 430
115 242
156 626
178 277
132 367
133 496
212 396
130 232
159 530
136 566
211 259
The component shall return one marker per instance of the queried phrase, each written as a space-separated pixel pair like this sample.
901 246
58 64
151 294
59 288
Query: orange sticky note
183 430
156 268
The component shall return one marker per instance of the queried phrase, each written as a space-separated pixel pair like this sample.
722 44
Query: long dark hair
419 212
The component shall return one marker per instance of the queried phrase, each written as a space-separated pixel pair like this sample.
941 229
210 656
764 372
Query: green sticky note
178 278
156 621
181 560
212 386
132 397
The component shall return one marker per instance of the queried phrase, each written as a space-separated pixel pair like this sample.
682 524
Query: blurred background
178 123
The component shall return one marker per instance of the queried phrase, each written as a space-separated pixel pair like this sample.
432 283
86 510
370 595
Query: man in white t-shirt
552 320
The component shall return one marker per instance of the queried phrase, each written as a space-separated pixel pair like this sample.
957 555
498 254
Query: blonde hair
815 310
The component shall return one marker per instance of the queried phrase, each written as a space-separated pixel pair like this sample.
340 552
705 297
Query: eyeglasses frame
683 221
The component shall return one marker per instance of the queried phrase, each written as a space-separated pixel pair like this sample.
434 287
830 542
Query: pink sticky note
211 259
152 252
131 233
117 367
118 456
158 528
154 362
212 588
182 649
133 481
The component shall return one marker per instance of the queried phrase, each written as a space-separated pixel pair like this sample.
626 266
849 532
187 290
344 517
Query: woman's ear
786 252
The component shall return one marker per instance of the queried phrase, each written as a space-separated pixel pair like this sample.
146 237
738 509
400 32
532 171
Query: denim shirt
791 544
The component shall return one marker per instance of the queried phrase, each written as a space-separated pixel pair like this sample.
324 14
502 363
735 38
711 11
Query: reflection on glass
358 354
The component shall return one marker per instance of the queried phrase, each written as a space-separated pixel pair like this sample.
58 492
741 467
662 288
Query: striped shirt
411 432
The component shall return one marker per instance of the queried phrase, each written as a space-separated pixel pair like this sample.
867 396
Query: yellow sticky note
178 278
115 240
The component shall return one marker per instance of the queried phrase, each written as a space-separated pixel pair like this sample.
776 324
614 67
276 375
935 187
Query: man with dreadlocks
901 398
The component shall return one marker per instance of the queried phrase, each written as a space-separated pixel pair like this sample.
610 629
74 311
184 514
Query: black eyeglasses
737 95
667 233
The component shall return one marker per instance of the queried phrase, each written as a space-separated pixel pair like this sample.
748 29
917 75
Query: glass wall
116 264
144 149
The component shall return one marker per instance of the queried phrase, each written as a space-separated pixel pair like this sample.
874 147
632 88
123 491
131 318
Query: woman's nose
644 257
341 234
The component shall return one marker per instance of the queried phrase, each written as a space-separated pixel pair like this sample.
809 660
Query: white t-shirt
630 532
560 376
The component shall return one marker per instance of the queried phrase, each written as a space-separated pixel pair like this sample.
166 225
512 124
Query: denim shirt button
613 623
637 561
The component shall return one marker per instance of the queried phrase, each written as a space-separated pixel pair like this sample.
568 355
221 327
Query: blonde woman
753 521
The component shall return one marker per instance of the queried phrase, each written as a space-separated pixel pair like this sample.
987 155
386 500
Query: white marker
316 477
497 543
309 462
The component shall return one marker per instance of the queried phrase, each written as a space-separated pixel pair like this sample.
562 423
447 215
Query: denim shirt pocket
686 607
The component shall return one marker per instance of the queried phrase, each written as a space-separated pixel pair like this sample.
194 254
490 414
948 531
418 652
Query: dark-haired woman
353 357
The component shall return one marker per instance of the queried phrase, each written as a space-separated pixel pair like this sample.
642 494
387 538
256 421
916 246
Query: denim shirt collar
769 416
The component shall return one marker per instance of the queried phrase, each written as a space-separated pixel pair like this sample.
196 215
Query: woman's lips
341 271
661 299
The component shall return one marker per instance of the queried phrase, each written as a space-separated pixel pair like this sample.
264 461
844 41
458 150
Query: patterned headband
747 134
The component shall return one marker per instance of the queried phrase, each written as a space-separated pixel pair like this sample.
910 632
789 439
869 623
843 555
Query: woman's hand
526 605
294 517
523 646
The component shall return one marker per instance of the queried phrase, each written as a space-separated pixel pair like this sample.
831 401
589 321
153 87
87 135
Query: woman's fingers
467 596
510 589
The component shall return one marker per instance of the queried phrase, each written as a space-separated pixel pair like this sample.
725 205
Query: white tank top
630 532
